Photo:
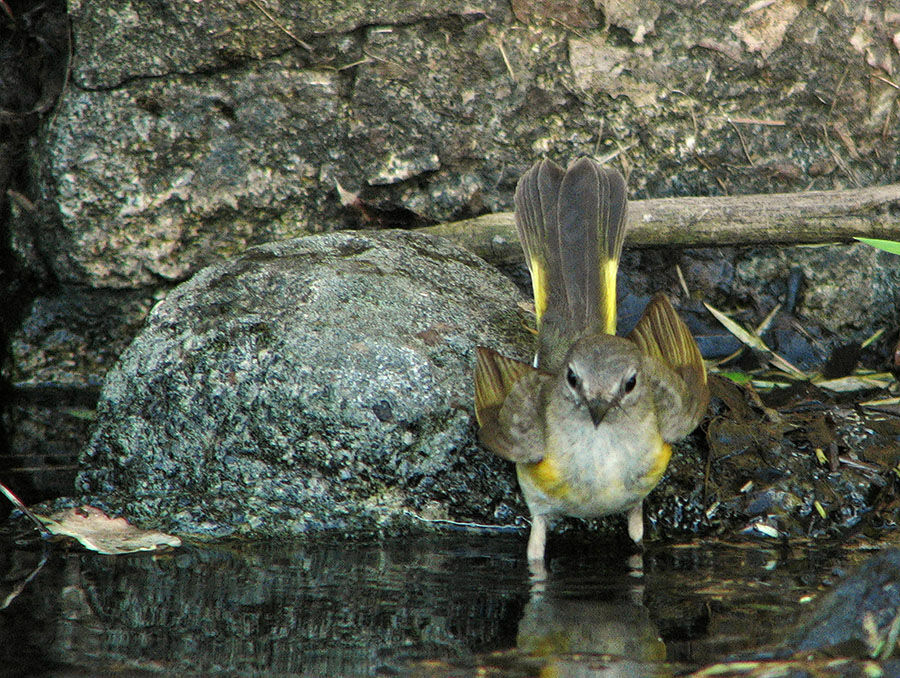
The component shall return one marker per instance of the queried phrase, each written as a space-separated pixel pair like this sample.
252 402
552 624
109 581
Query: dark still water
461 604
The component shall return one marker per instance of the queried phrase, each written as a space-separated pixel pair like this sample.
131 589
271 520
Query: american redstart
589 426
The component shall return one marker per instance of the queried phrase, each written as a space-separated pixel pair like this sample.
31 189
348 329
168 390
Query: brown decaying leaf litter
95 530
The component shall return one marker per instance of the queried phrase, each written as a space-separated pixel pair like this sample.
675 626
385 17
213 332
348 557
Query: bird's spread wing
681 389
506 406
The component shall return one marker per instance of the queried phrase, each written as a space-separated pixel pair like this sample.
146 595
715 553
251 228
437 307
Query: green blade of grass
891 246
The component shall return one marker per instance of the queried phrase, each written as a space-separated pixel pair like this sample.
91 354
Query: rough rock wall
188 131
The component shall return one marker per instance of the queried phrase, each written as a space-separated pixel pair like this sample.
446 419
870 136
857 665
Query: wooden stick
777 218
24 509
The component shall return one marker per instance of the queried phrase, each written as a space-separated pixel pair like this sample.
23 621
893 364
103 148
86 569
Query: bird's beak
598 407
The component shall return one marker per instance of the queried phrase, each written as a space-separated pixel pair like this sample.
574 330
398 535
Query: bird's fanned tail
572 226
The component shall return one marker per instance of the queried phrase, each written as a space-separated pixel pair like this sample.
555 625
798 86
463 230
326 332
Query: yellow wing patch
662 333
495 375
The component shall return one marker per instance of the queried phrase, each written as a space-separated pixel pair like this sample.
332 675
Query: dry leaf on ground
98 532
762 26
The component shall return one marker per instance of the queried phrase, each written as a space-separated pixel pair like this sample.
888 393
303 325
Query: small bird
590 423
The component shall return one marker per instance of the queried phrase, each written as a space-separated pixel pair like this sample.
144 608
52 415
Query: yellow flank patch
547 477
608 280
538 287
662 460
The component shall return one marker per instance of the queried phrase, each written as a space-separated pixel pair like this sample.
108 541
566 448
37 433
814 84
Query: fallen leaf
843 131
638 17
569 13
867 39
757 344
98 532
857 382
762 25
601 67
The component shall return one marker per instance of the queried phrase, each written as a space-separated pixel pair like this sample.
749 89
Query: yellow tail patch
538 287
609 271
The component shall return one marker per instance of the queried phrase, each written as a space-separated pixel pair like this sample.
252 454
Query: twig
612 155
395 64
861 466
70 54
24 509
837 92
755 121
763 327
682 281
22 584
743 143
283 28
770 219
873 338
599 135
885 80
758 5
568 28
754 342
845 168
354 64
509 68
886 128
731 50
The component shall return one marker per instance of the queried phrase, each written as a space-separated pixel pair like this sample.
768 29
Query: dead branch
778 218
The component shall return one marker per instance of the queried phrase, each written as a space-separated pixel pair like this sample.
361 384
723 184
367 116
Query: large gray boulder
318 383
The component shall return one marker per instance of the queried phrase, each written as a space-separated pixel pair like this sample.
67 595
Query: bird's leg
537 540
635 524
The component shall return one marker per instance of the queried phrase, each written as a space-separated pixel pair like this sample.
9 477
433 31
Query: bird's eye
572 378
630 383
